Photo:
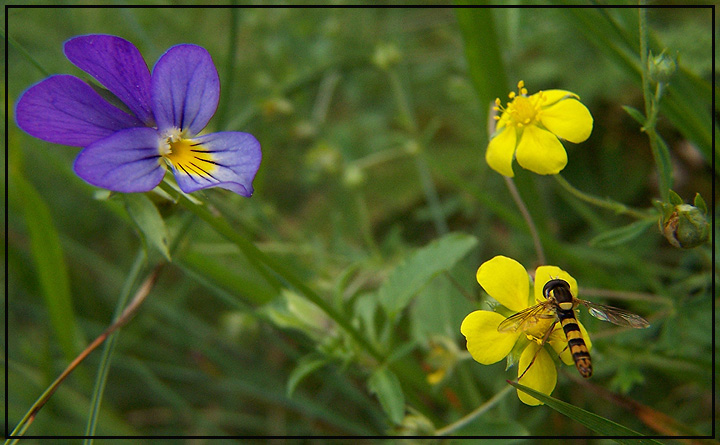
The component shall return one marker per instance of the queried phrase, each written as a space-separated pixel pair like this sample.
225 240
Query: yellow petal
484 342
505 280
568 119
551 97
542 375
500 151
543 274
540 151
559 343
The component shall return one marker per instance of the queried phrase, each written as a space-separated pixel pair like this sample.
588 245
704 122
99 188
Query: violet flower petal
128 161
185 89
234 159
119 66
65 110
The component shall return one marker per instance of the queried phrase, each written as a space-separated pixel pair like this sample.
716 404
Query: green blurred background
341 198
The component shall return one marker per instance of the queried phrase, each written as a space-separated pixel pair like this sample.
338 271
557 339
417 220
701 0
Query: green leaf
47 254
675 199
306 366
635 114
482 52
386 386
700 203
408 278
148 220
623 234
594 422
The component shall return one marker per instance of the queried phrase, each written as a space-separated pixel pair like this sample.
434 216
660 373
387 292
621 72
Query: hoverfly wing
615 315
524 317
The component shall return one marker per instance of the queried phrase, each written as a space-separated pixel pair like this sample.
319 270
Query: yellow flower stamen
521 111
186 155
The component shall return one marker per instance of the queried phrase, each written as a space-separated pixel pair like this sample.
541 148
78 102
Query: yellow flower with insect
528 129
548 320
508 282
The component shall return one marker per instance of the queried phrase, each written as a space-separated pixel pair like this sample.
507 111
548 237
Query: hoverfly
560 304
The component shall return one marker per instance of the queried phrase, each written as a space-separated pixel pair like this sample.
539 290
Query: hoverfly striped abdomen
558 291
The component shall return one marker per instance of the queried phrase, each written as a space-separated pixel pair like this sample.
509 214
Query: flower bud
684 225
386 56
415 424
353 176
661 68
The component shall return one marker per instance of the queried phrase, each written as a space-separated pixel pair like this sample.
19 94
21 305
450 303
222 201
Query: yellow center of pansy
186 155
522 110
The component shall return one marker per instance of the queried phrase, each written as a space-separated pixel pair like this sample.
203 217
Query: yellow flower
529 127
507 281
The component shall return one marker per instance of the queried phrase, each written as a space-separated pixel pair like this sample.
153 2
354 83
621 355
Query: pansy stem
528 218
262 260
609 204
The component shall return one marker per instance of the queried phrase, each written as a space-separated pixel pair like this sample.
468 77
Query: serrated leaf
306 366
386 386
635 114
410 276
623 234
594 422
148 220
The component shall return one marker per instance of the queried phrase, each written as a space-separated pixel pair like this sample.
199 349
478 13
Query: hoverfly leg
542 343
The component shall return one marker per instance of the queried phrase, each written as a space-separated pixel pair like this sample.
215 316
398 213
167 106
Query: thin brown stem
526 214
127 314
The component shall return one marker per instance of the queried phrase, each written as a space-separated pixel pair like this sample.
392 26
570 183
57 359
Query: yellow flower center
522 110
186 155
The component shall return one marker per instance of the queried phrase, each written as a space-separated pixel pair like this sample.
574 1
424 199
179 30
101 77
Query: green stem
660 151
262 261
475 414
609 204
105 360
126 315
229 68
421 164
528 218
366 225
104 367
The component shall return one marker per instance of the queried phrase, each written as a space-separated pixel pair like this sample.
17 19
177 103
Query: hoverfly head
555 285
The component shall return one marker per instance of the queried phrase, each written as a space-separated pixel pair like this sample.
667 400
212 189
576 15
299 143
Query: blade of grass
104 366
47 254
594 422
126 315
482 52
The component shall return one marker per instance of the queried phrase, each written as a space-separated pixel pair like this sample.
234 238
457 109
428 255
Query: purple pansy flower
130 152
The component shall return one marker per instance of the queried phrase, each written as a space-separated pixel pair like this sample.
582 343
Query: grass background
340 200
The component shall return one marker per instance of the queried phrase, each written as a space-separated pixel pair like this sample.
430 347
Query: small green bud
415 424
685 226
661 68
386 56
412 147
277 106
354 176
323 158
